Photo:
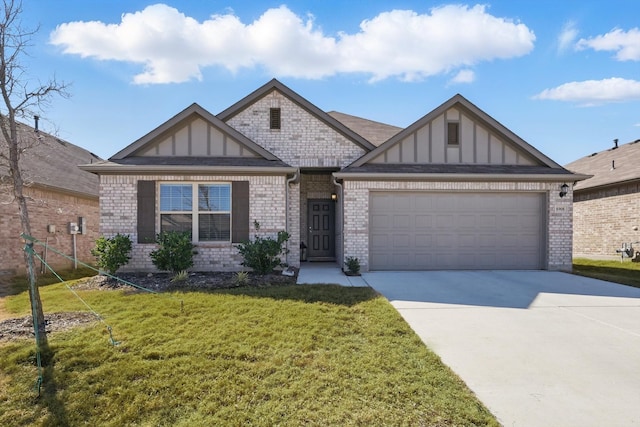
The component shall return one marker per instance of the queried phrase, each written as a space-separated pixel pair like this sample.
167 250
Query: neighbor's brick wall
604 219
559 214
118 213
302 141
47 208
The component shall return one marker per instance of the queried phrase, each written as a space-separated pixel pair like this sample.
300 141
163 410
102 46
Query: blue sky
563 75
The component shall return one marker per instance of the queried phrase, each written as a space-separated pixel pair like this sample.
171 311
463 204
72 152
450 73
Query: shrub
180 277
112 252
263 253
353 265
241 278
175 251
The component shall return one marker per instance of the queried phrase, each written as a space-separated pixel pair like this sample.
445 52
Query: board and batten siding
477 145
197 138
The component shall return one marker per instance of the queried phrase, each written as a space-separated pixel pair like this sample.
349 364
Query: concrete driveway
538 348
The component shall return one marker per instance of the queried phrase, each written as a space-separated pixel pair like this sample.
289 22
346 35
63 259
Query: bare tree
22 98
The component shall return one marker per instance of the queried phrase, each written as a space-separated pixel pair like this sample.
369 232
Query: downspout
341 205
289 181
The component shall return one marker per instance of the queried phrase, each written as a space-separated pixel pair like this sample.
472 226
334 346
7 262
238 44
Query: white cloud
625 44
173 47
594 92
567 36
463 76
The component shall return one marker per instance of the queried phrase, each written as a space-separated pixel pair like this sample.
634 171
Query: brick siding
46 208
302 141
604 219
118 213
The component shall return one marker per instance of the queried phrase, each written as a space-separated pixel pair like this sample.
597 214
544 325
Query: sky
562 75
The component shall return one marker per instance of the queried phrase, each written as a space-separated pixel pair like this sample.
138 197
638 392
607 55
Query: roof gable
609 167
482 141
325 118
194 132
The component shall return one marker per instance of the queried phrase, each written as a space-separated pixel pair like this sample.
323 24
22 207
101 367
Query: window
202 210
453 133
274 118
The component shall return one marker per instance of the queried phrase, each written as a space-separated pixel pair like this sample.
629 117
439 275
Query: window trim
195 209
455 143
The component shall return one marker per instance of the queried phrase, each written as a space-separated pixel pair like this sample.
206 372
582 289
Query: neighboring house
58 193
607 205
455 190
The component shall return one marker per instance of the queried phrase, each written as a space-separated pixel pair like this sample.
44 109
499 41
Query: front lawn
626 273
290 355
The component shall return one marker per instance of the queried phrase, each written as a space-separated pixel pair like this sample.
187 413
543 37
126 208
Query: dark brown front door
321 220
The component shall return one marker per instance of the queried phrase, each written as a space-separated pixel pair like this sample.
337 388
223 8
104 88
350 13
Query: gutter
341 204
292 180
187 170
368 176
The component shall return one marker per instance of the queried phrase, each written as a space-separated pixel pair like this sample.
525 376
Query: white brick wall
118 214
559 214
302 141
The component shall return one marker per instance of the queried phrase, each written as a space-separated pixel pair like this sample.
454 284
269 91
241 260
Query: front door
321 220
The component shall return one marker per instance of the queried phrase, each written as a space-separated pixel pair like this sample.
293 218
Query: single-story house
607 206
454 190
58 193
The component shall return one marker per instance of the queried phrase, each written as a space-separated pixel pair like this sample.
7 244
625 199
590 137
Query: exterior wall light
564 189
334 197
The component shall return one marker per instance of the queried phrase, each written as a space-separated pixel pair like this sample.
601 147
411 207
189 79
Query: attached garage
438 230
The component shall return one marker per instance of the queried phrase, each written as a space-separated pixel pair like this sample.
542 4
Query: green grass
294 355
626 273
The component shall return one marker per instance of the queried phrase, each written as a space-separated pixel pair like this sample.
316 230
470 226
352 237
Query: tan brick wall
119 215
302 141
604 219
47 208
559 214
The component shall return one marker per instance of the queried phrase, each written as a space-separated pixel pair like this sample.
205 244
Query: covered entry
428 230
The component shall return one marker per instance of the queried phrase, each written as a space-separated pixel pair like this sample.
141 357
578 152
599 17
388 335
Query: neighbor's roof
53 163
609 167
375 132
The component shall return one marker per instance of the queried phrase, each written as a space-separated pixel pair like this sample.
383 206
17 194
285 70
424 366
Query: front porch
326 273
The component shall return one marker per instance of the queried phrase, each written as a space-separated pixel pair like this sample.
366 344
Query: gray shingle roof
375 132
609 167
53 163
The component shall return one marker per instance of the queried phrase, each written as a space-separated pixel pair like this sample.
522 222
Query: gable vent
274 118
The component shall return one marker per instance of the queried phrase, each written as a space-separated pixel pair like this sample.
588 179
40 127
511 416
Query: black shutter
239 211
146 211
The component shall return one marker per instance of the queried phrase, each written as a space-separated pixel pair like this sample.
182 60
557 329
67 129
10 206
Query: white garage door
438 231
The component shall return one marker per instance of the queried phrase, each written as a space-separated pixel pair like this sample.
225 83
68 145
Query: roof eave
116 169
607 185
371 176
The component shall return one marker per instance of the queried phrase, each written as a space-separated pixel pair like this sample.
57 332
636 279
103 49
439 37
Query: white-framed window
202 209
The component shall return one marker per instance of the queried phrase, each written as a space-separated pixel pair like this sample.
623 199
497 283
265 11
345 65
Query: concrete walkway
326 273
538 348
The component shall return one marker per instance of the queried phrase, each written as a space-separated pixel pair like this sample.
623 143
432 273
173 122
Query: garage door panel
456 231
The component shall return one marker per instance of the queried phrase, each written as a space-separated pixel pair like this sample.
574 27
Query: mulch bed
20 328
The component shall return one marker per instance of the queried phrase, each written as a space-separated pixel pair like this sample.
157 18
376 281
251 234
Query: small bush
175 252
241 278
180 277
263 253
353 265
112 252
